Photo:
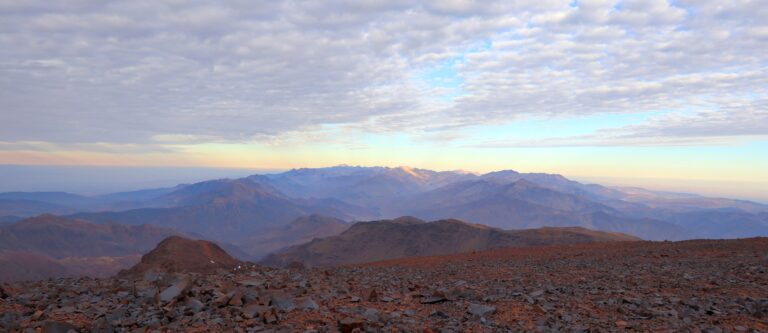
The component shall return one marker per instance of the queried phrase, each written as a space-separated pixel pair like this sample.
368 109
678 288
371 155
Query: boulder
174 290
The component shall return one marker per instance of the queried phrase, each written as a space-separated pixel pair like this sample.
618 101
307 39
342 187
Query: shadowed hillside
407 237
301 230
60 237
523 204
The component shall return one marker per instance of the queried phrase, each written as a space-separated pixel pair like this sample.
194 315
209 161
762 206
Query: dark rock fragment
480 309
347 325
58 327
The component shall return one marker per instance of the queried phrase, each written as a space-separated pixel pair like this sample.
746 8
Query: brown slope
31 266
25 266
301 230
570 235
178 254
389 239
60 237
49 246
99 267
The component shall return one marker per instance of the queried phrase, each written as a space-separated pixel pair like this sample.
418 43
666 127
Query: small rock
254 310
307 304
140 330
438 314
282 302
236 299
480 310
194 305
147 292
432 299
101 325
251 283
371 314
347 325
371 295
270 318
9 321
220 299
37 315
58 327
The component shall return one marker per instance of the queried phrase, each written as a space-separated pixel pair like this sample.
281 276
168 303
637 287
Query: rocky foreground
693 286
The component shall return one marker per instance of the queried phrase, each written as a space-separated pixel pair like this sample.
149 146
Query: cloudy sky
653 89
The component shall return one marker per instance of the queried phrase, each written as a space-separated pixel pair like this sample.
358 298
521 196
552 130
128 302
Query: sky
664 94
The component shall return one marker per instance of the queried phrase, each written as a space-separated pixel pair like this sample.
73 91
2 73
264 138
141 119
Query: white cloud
133 72
730 123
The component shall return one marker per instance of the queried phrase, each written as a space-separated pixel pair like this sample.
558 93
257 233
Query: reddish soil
692 286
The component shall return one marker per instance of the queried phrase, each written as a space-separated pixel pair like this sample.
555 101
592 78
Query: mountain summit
178 254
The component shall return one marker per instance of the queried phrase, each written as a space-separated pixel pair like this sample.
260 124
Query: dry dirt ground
692 286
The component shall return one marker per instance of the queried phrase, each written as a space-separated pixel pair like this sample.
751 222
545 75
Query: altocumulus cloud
155 72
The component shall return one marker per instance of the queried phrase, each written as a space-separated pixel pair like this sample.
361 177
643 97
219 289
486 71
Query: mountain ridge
231 210
301 230
60 237
408 237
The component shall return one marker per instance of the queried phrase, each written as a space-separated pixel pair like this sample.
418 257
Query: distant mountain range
219 209
523 204
259 212
409 236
